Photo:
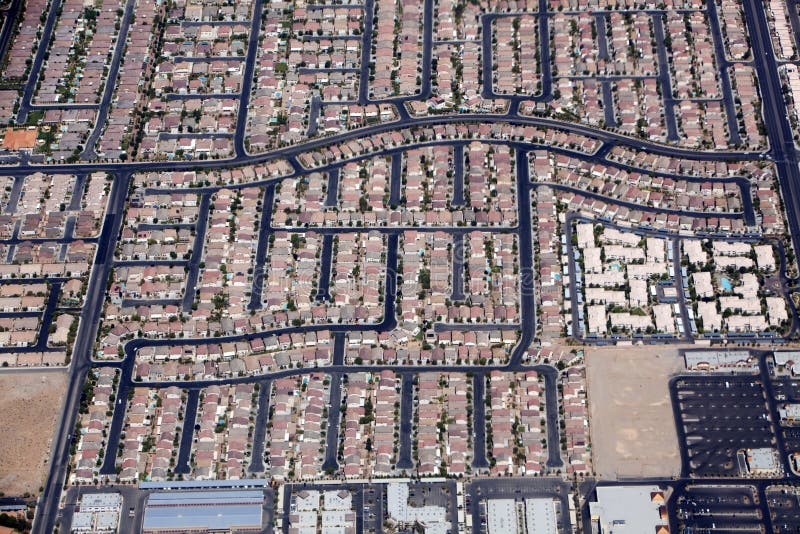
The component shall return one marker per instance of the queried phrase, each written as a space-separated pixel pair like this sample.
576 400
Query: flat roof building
203 511
531 516
712 360
540 516
101 502
501 516
628 510
82 522
97 512
761 461
790 359
433 519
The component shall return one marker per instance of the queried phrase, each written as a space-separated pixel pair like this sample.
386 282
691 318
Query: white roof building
432 518
501 516
101 502
627 509
540 516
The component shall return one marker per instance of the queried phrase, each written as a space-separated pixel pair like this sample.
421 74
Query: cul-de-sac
400 266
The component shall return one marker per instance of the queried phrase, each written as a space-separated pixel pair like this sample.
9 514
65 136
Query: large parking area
784 508
787 392
717 417
719 509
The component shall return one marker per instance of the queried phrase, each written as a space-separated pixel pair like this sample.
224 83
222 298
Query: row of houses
297 426
122 125
400 347
223 429
550 280
94 420
205 40
405 136
636 187
518 70
369 424
514 423
443 424
574 402
79 52
196 365
211 10
28 35
761 174
629 216
151 433
782 34
184 181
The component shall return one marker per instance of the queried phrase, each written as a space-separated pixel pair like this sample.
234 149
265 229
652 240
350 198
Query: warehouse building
629 510
97 513
204 511
528 516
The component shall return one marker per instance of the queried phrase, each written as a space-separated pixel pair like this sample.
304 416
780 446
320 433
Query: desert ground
632 426
30 404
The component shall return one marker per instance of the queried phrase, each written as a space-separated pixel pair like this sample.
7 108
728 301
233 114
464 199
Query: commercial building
789 360
720 360
203 511
762 461
540 516
629 510
334 514
501 516
790 414
531 516
433 519
97 513
101 502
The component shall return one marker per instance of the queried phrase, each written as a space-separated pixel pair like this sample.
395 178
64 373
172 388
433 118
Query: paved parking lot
719 509
718 416
786 391
784 508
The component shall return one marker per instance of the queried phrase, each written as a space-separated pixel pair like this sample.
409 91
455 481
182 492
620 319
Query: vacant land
30 404
632 426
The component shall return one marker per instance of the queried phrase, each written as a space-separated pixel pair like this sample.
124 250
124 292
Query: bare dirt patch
632 425
30 404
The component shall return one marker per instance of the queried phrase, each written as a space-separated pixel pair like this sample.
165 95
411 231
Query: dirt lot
30 404
632 426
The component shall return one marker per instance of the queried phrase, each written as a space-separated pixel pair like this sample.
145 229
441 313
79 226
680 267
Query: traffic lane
87 330
260 431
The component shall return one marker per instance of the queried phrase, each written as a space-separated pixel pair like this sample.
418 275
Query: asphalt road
81 359
111 84
260 430
187 432
38 60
